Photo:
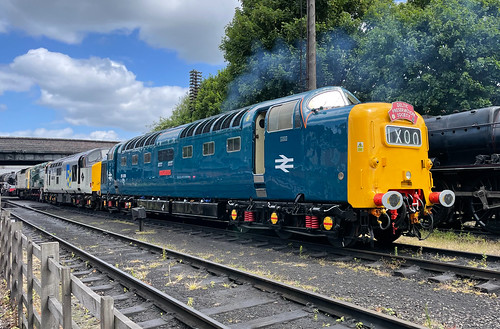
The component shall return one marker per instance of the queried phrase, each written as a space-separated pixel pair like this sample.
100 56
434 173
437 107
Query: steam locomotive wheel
489 219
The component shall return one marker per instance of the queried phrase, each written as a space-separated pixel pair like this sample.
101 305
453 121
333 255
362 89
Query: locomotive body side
314 163
69 179
466 151
21 183
457 139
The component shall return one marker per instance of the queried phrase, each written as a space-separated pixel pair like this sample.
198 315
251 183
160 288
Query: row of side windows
232 145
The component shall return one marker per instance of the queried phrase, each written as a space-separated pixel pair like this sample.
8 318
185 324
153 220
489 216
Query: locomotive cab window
187 152
233 144
281 117
208 148
135 159
124 161
74 173
327 100
147 157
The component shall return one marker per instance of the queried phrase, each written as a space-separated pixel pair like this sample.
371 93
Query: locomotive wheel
387 236
348 236
489 219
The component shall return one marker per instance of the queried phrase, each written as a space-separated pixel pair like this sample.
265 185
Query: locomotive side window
187 152
281 117
208 148
327 100
147 157
124 161
74 173
135 159
233 144
166 155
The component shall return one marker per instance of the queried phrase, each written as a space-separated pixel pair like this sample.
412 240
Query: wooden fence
54 284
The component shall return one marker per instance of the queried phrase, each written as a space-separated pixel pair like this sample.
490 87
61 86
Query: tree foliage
439 55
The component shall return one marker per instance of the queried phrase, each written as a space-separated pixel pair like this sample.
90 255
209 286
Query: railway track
436 264
209 299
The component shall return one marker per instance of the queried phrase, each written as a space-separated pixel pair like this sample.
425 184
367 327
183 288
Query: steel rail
323 303
184 313
430 265
449 252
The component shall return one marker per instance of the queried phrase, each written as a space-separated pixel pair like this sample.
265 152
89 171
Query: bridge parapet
30 150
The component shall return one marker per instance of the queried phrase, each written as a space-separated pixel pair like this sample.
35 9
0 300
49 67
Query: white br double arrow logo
284 163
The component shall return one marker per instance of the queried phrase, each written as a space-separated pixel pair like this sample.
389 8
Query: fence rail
54 284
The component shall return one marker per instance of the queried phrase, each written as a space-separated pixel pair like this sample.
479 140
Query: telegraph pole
311 45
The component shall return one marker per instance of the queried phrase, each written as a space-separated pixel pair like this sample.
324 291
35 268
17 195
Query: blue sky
102 69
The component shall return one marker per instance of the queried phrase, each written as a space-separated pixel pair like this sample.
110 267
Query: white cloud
66 133
193 28
13 82
94 92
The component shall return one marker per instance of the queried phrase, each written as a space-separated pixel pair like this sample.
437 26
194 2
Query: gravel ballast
454 304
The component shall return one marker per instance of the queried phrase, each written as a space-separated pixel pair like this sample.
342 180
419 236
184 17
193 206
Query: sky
102 69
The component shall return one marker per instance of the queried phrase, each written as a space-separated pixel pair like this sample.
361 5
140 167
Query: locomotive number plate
404 136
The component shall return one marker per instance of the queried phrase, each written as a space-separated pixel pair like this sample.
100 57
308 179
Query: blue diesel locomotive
315 163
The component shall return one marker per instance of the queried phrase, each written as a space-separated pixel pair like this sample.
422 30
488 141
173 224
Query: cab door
283 151
259 168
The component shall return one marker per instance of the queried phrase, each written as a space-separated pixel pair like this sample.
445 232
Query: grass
456 241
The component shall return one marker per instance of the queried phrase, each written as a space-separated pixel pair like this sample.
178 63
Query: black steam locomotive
465 149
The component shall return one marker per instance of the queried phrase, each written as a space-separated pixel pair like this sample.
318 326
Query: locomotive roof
227 120
73 157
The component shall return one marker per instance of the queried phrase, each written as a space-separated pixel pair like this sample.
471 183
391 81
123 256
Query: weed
395 251
190 302
359 325
194 285
483 260
164 254
316 311
428 321
340 320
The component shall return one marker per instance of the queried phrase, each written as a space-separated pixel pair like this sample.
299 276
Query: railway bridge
29 150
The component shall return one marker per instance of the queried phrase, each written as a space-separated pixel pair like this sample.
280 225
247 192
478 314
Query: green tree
441 56
265 46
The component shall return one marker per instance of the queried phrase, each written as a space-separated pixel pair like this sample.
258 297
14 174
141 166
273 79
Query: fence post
17 269
8 250
3 237
107 313
29 284
49 283
66 296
